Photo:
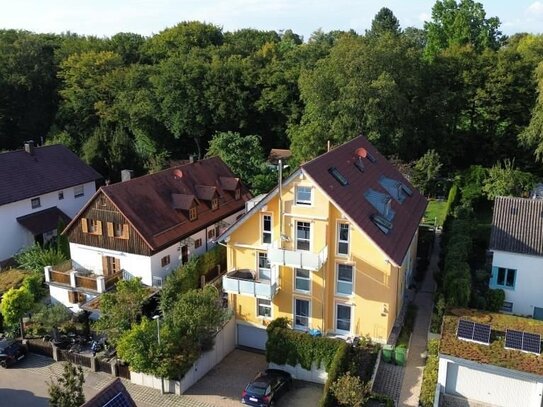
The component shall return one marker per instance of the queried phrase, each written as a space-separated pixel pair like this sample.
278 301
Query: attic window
193 213
382 202
395 188
334 172
359 164
237 194
370 157
383 224
214 204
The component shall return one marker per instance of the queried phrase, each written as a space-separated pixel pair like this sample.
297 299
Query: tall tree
384 22
16 303
460 24
532 135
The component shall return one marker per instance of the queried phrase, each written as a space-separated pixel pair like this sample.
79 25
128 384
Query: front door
111 265
538 313
184 254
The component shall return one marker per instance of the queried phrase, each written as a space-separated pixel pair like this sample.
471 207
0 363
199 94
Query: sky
105 18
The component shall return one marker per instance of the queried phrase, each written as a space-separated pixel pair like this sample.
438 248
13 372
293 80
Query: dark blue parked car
266 388
10 352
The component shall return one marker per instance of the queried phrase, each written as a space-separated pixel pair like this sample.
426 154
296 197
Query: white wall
528 283
60 295
14 237
489 384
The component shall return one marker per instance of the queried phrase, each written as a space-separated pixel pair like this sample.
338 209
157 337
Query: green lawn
435 210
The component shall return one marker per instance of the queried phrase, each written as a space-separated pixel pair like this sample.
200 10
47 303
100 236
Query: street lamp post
157 319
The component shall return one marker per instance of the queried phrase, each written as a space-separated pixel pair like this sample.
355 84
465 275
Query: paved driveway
223 385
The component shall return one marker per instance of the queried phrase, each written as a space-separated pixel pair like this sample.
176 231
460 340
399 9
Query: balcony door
110 265
184 254
303 236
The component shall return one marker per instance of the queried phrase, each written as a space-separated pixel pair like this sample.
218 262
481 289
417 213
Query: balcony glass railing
297 258
241 282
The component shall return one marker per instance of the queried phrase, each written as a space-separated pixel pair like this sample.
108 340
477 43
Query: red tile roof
350 198
149 202
48 169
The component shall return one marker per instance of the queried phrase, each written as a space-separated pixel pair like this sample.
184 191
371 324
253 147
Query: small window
157 282
334 172
343 318
214 204
237 194
507 306
60 195
303 280
506 277
193 213
35 203
211 234
263 308
197 243
264 267
343 239
301 313
344 282
102 201
91 225
266 229
79 191
117 230
303 195
303 236
165 261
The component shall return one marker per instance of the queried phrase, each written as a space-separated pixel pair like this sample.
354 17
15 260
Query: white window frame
258 268
342 331
157 281
258 305
264 231
79 191
310 240
338 293
35 203
339 241
308 279
303 202
294 325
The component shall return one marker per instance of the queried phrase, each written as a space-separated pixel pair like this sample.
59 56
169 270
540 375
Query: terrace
68 274
494 353
244 282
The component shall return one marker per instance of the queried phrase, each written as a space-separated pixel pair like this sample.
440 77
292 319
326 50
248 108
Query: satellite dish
361 152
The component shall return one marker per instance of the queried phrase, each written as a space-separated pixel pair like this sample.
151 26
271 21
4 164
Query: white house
40 186
495 373
145 227
516 242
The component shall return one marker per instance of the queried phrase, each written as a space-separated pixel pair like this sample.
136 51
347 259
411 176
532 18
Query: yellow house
332 248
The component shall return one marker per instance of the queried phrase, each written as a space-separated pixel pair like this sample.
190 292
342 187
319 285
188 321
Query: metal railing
297 258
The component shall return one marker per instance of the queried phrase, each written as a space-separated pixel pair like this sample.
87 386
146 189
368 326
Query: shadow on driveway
21 398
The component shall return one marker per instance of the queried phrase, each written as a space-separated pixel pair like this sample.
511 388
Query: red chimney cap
361 152
178 173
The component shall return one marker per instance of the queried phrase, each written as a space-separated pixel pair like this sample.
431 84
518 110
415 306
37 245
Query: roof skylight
334 172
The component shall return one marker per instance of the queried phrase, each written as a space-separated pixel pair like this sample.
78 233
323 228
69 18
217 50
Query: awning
43 221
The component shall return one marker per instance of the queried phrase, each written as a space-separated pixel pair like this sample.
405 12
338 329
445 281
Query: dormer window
193 213
237 194
214 204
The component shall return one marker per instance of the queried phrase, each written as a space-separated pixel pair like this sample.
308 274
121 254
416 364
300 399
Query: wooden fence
40 347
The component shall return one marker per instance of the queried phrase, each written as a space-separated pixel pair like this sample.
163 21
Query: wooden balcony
64 274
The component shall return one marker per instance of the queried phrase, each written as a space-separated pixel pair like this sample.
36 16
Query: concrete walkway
412 380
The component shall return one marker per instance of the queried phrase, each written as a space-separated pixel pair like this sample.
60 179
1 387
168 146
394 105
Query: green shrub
429 378
35 258
495 299
452 199
350 391
337 368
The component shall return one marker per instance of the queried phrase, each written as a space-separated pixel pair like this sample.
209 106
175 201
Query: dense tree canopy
457 86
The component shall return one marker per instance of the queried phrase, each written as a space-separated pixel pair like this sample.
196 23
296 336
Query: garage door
480 385
252 337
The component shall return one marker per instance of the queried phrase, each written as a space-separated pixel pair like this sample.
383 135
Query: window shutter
105 269
72 297
110 229
84 226
99 227
125 231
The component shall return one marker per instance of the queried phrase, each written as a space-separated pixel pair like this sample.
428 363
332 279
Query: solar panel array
472 331
525 341
118 401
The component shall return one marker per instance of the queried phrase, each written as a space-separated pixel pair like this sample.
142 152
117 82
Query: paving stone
388 380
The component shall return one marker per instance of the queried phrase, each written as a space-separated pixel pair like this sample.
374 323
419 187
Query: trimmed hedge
337 368
429 378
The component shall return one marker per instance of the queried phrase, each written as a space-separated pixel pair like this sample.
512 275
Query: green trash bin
387 353
400 355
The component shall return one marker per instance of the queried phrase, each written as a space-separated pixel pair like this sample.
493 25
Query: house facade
146 227
329 249
516 242
40 187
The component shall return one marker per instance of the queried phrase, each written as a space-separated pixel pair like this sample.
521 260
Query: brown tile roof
48 169
517 225
229 183
351 200
43 221
183 201
277 154
205 192
148 202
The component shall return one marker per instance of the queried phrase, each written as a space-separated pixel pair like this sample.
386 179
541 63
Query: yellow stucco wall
378 286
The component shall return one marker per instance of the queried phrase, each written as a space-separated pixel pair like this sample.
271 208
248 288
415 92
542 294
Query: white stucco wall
14 237
60 295
528 283
489 384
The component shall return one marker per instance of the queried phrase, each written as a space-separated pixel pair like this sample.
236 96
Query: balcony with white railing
302 259
243 282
